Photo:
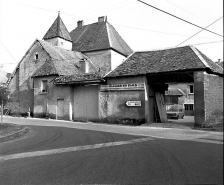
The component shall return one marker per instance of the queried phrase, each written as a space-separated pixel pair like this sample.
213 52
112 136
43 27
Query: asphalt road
58 155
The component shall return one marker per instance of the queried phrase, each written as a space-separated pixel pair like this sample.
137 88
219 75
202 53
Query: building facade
91 74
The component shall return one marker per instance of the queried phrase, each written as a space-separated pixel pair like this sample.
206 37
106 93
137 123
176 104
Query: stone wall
21 85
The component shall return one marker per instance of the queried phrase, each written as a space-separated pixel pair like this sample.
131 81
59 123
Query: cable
199 31
178 18
8 52
188 12
206 43
157 31
112 23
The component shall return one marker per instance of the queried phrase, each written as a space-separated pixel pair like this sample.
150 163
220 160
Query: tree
4 94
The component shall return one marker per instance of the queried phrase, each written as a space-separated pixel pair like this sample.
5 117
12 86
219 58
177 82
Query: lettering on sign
133 103
117 87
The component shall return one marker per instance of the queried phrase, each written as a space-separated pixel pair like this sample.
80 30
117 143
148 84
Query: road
83 153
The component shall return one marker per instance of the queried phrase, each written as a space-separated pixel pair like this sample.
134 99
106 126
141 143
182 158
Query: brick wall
213 99
208 99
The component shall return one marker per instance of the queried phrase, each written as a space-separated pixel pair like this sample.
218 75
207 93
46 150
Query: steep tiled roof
98 36
63 62
78 78
168 60
57 29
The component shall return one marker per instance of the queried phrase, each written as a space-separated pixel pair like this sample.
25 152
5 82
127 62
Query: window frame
36 56
191 92
44 86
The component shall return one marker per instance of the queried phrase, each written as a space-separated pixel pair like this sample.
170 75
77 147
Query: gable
62 61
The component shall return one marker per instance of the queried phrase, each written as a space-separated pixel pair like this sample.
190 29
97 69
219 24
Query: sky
143 28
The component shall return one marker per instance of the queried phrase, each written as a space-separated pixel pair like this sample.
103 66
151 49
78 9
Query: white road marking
70 149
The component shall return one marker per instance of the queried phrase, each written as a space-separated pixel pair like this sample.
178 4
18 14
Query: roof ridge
199 56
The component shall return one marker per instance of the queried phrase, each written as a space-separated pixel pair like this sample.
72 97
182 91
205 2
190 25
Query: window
189 106
191 89
44 86
36 56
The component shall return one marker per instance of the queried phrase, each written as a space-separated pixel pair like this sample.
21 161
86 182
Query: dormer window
36 56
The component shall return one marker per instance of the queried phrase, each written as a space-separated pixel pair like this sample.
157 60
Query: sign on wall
133 103
119 87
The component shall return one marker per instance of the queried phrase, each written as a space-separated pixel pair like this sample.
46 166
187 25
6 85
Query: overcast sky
141 26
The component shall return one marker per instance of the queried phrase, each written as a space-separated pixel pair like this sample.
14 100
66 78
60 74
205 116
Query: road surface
75 153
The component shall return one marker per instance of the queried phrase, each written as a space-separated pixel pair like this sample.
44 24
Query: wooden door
60 108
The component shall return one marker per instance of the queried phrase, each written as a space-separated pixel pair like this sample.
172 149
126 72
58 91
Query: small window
44 86
191 89
189 107
36 56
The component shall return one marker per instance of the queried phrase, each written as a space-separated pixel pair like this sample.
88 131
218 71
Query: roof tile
98 36
168 60
57 29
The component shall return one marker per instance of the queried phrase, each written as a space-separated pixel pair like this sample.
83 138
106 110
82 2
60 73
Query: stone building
92 74
87 53
155 70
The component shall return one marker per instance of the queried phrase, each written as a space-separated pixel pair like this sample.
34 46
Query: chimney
80 23
102 19
84 66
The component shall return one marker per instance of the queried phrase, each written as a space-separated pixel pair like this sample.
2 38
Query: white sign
122 87
133 103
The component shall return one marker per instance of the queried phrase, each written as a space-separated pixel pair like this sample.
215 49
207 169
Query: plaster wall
45 104
61 43
113 102
116 59
101 59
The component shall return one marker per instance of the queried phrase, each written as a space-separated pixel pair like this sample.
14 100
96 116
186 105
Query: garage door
86 102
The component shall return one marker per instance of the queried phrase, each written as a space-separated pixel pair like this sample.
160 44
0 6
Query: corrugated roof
174 92
57 29
98 36
167 60
62 62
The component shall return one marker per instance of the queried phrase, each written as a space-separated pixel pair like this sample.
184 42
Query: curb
14 135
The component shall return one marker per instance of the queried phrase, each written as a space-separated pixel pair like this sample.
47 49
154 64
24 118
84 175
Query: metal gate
86 100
